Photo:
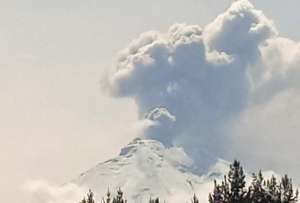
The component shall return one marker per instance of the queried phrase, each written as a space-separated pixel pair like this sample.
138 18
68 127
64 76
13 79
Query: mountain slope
145 168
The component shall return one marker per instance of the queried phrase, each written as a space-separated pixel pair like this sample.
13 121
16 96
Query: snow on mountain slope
145 168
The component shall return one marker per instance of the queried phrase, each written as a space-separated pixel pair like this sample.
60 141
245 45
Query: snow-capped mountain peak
146 168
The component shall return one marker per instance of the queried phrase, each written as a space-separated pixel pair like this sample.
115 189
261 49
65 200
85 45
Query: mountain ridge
146 168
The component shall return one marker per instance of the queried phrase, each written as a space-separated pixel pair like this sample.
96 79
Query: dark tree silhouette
195 199
260 190
156 200
119 198
89 198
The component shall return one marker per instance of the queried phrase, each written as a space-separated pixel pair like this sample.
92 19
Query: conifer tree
237 183
83 201
210 198
195 199
108 197
272 185
272 189
89 199
218 195
260 190
156 200
256 190
226 189
287 192
119 198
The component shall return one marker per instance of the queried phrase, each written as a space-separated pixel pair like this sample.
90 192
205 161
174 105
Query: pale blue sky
54 120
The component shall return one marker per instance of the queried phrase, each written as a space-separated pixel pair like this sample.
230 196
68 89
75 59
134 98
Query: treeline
232 189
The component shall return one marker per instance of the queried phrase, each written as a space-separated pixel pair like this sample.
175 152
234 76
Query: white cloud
239 31
44 192
212 80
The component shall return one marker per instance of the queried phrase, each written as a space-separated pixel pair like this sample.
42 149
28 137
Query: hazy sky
55 122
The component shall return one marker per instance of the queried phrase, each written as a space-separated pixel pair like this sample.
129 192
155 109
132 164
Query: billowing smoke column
192 82
198 79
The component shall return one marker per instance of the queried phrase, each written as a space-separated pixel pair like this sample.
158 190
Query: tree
218 195
287 192
89 199
260 190
256 192
236 178
195 199
119 198
83 201
108 197
156 200
272 190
